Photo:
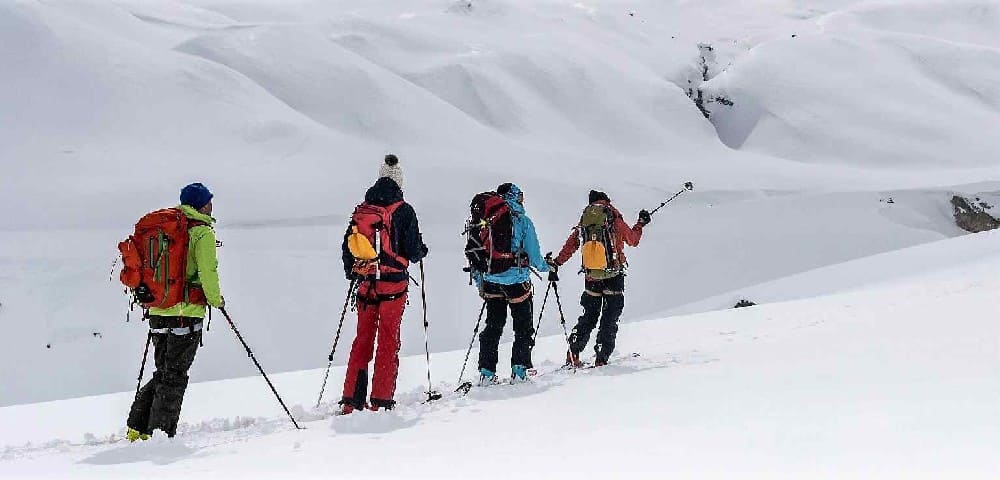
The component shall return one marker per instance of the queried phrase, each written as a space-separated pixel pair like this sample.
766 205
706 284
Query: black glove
645 217
553 265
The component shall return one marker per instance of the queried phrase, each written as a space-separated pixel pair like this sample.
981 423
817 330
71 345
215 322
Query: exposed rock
744 303
972 216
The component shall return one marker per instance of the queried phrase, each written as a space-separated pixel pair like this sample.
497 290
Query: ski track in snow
112 448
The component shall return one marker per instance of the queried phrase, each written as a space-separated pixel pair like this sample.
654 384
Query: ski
588 365
467 386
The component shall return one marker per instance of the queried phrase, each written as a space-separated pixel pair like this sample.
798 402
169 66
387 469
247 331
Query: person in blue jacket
511 288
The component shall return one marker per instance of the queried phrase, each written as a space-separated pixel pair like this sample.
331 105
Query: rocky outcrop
971 215
744 303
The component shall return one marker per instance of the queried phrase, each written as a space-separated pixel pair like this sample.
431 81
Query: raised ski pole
336 339
465 386
688 186
142 368
261 369
431 393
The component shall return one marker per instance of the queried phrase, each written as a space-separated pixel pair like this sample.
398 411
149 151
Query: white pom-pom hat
390 168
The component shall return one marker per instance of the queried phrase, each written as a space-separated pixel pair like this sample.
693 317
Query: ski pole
562 318
535 272
111 275
255 362
336 339
687 187
142 368
541 311
462 385
431 394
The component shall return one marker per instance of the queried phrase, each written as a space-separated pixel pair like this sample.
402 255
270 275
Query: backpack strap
194 294
391 258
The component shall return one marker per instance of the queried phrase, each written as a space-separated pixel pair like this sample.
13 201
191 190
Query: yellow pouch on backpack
360 247
595 256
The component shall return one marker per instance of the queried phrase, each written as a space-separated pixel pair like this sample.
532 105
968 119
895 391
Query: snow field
896 380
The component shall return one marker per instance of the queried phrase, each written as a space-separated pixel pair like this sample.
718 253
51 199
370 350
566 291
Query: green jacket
202 267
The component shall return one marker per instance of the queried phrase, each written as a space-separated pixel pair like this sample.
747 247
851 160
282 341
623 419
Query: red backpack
370 241
490 234
154 260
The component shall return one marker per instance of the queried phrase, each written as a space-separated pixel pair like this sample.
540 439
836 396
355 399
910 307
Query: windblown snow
838 131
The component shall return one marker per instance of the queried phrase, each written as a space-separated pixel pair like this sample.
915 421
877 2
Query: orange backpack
154 260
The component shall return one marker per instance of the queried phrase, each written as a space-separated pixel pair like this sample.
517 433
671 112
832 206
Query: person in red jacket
603 296
381 296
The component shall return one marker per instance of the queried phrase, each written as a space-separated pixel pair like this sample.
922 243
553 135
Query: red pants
377 314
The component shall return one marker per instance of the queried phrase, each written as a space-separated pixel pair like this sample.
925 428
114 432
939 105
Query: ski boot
348 407
519 374
377 405
344 410
132 435
487 378
573 359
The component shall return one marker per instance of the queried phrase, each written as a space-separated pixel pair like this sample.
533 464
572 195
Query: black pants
158 404
602 300
498 298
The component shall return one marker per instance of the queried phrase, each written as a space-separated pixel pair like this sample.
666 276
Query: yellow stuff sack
359 246
595 256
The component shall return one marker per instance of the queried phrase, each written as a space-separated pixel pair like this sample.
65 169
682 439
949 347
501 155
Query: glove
553 267
552 263
645 217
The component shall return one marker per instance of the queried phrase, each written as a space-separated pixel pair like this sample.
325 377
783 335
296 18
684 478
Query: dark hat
196 195
509 190
596 195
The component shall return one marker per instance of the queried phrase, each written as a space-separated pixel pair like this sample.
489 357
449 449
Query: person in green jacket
175 332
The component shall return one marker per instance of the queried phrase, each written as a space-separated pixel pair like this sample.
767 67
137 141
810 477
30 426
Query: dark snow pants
498 298
602 300
158 404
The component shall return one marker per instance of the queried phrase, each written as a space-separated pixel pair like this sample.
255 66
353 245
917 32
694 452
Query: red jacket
623 235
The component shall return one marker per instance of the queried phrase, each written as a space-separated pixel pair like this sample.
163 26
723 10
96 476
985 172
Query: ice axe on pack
688 186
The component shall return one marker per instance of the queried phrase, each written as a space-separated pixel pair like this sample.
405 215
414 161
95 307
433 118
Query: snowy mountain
837 132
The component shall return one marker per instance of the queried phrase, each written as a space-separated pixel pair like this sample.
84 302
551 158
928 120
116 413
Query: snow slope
899 380
285 108
902 72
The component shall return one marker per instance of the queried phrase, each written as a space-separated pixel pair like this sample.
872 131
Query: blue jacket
525 240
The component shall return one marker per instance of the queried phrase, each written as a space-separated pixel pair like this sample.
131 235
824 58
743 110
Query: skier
603 234
512 289
175 332
382 239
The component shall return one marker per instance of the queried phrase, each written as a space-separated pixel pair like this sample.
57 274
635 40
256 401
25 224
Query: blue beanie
196 195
